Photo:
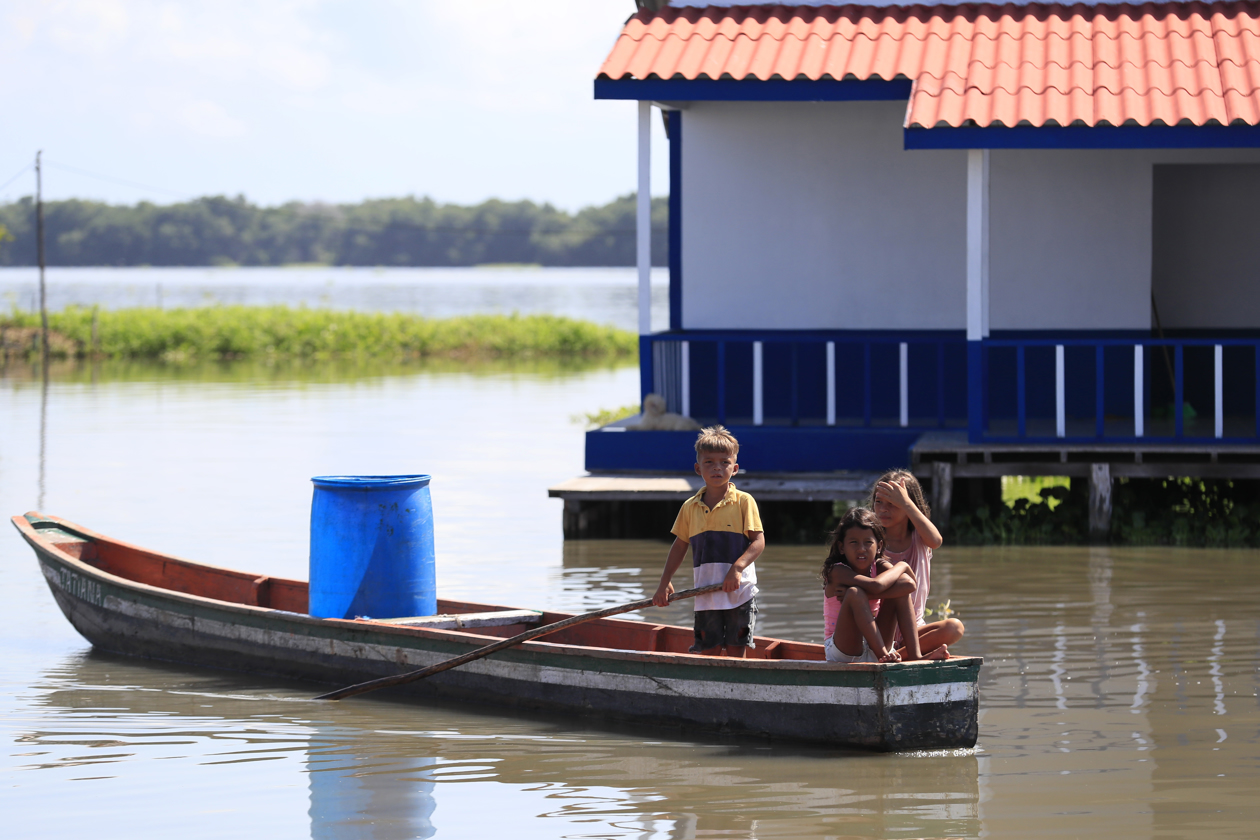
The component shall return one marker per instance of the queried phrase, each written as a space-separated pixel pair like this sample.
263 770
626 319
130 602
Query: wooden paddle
412 676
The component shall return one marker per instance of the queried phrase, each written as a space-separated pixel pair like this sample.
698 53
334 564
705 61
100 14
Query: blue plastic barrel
372 547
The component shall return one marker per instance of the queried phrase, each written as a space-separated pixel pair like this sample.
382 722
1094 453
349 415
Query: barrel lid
370 482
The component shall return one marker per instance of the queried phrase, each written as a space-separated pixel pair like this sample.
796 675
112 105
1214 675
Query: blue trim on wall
675 119
975 391
737 90
761 449
1086 137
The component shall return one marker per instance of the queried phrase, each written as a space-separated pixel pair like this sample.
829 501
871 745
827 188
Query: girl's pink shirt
831 608
919 558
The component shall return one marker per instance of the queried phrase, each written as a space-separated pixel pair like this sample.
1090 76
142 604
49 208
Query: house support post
1099 502
977 287
942 494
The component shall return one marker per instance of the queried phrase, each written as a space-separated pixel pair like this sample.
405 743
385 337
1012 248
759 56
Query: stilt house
1029 233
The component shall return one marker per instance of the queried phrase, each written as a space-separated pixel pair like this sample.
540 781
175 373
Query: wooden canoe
128 600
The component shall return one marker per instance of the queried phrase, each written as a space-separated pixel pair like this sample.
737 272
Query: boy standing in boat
722 528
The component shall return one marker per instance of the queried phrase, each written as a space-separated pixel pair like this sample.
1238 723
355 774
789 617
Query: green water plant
1214 513
595 419
253 332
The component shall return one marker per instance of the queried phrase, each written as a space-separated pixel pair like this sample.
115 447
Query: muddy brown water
1118 696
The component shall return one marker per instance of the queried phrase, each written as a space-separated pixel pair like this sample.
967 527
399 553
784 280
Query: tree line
218 230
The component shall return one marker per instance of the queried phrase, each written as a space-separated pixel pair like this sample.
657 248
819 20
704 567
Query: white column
758 415
1139 397
977 244
643 218
1060 412
905 384
831 383
686 379
1220 391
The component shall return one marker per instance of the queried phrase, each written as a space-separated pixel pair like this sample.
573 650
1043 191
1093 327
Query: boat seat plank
467 621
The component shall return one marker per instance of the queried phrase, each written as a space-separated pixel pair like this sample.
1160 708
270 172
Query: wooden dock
627 505
944 458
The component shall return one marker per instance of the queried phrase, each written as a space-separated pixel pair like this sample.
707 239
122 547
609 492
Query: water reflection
43 428
381 770
360 796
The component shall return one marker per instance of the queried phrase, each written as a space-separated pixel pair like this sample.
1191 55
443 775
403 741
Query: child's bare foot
939 653
891 656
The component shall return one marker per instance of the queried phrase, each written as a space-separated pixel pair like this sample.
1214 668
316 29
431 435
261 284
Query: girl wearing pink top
856 582
910 537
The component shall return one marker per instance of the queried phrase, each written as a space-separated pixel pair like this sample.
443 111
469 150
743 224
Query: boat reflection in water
360 794
233 749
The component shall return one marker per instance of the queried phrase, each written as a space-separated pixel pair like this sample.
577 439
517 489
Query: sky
316 100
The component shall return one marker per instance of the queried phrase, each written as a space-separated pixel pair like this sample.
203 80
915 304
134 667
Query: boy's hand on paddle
661 598
732 580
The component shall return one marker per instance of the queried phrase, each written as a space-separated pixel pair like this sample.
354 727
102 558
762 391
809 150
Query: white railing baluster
757 380
905 384
831 383
1060 413
1220 391
1139 398
685 377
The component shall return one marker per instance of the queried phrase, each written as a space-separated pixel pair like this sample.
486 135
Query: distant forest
382 232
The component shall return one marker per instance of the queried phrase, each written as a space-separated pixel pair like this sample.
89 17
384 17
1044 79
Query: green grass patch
253 332
595 419
1016 487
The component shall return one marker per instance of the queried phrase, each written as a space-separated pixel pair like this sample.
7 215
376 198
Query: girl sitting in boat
866 597
910 537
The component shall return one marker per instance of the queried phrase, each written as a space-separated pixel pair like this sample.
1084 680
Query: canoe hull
906 707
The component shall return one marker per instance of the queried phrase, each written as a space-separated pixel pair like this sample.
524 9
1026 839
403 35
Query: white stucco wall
1069 239
1071 243
812 216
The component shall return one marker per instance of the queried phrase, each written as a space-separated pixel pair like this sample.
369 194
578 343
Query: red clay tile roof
1034 64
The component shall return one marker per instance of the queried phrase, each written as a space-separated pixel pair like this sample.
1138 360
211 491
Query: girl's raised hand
894 493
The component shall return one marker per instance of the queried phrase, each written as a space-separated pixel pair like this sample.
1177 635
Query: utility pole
43 316
39 238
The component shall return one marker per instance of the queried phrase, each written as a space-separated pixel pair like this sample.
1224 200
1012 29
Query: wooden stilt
942 493
1099 502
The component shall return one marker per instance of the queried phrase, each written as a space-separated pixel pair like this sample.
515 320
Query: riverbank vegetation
595 419
252 332
221 231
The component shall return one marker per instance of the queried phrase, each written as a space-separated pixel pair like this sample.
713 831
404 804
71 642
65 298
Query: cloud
209 119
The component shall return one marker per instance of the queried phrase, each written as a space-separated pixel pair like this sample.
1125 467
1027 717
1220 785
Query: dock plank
805 487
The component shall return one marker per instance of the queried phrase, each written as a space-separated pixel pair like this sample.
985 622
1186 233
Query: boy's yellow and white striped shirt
718 536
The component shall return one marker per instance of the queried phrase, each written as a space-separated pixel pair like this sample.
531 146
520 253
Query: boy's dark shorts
726 628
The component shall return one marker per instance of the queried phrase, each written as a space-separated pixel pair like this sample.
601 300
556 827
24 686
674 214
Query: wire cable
19 174
122 181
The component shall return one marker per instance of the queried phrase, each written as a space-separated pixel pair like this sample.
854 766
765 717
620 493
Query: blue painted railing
848 379
1116 390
